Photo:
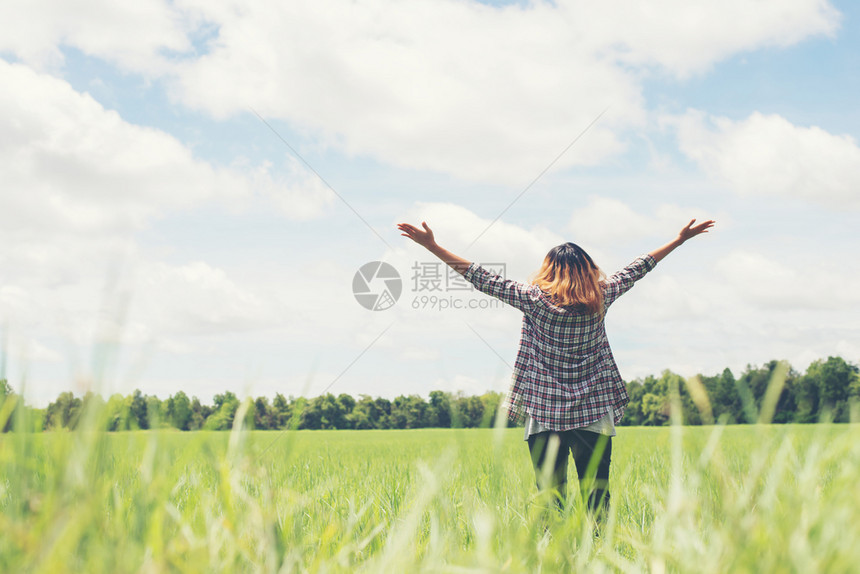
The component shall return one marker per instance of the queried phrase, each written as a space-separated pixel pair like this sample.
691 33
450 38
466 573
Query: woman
566 385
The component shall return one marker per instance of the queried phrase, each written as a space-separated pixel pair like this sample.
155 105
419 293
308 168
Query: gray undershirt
605 425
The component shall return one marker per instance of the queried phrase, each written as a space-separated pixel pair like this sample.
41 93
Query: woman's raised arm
686 233
425 238
518 295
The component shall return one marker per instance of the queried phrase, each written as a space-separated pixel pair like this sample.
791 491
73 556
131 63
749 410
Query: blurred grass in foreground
684 499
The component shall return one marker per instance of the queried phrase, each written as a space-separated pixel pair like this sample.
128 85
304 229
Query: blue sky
160 236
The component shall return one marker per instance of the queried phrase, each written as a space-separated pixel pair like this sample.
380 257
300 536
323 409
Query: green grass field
684 499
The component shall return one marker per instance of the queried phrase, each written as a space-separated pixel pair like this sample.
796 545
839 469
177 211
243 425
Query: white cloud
445 86
197 298
483 93
27 350
767 155
78 183
135 35
300 194
665 297
608 221
420 354
685 37
69 165
487 93
763 282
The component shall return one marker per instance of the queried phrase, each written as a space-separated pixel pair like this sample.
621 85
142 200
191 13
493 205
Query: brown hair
570 278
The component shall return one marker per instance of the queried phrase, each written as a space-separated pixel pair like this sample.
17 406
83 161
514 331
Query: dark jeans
591 455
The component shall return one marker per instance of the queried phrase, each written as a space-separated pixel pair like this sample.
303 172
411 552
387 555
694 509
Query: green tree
807 396
383 414
835 378
323 412
416 412
64 412
116 414
854 398
759 380
439 410
283 411
154 415
786 406
756 380
633 412
726 401
364 414
199 414
467 412
262 416
491 402
225 407
137 411
6 392
298 408
399 413
345 405
179 412
655 410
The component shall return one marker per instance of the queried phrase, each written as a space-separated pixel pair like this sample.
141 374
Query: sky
188 188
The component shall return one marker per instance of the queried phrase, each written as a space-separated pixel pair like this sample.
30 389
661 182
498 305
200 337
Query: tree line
774 392
137 411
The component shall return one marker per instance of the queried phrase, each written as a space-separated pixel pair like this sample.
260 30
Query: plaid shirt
565 376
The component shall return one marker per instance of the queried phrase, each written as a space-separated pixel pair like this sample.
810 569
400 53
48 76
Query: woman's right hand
424 238
692 230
